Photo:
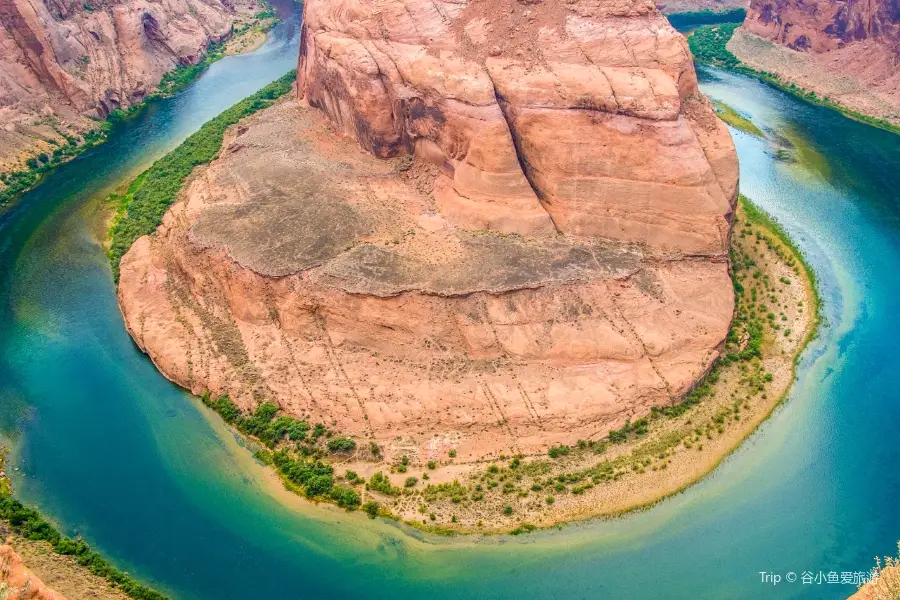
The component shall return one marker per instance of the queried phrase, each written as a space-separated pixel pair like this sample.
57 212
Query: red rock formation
552 262
824 25
580 117
16 581
64 60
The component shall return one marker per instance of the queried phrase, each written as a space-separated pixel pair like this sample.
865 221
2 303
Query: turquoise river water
110 450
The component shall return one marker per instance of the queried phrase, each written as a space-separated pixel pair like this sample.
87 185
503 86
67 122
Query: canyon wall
487 225
824 25
63 62
846 51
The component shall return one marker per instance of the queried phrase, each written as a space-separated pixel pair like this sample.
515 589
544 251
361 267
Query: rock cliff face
520 240
825 25
63 61
16 581
545 117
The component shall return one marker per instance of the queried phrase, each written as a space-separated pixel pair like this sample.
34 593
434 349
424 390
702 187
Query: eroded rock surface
823 25
64 61
577 117
507 249
16 581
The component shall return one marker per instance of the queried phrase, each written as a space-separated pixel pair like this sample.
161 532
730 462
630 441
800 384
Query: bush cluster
18 182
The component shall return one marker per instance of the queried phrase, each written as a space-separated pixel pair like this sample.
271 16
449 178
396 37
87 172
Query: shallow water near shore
112 451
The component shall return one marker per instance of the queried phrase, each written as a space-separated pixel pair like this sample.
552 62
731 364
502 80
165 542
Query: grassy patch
756 215
707 44
141 209
737 120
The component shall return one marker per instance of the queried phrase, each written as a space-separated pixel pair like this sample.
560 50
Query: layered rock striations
544 117
64 61
494 226
846 51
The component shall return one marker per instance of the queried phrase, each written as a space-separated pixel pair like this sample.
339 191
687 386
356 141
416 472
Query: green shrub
410 482
381 483
341 444
345 497
371 508
708 42
558 451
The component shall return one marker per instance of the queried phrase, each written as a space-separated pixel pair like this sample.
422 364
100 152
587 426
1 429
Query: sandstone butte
16 581
493 226
847 51
65 61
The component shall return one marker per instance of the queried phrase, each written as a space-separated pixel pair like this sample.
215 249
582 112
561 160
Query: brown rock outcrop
63 61
530 248
16 581
577 117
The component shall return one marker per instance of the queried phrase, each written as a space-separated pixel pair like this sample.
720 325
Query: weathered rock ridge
508 247
63 61
579 117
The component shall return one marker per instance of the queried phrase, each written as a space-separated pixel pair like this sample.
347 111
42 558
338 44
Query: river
110 450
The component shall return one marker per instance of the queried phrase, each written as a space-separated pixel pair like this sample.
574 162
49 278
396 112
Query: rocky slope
847 51
519 240
16 581
65 61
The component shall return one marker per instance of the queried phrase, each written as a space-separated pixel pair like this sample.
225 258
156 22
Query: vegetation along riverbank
139 211
636 466
708 44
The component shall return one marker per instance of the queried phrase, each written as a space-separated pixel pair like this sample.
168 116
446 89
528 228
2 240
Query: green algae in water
737 120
